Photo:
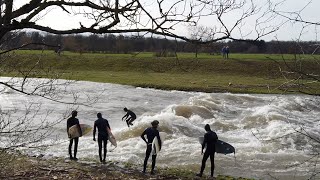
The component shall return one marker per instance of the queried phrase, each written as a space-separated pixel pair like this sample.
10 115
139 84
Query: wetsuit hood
207 127
155 123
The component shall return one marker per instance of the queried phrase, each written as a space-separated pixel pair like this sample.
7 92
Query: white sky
310 12
291 31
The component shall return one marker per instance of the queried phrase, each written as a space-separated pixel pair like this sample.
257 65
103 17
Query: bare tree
299 77
302 73
156 17
27 123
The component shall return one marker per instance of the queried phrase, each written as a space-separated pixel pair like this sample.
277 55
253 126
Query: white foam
260 127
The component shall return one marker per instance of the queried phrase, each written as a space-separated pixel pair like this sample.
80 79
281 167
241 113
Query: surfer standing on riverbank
210 139
70 122
151 133
130 116
102 125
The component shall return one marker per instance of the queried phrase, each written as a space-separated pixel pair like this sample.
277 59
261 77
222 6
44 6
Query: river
264 129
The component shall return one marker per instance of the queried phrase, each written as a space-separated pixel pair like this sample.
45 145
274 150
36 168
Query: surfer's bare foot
75 159
199 175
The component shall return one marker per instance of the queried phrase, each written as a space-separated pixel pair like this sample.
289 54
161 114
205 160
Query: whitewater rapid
264 129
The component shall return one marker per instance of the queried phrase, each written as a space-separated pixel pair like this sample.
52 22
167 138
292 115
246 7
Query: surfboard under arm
111 137
155 143
221 146
74 131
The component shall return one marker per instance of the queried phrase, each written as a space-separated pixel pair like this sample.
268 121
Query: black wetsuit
151 134
71 122
131 118
210 139
102 125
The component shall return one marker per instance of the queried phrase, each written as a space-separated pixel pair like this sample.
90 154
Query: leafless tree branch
160 17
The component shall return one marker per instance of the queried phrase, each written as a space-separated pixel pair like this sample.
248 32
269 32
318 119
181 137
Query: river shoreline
18 166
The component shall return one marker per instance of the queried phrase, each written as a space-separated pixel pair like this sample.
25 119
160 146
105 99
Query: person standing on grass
227 52
210 139
129 117
223 51
71 122
151 132
102 125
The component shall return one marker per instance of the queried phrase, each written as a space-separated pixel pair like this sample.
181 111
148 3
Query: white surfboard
111 137
155 143
74 131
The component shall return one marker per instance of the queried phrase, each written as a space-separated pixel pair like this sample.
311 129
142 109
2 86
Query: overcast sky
290 31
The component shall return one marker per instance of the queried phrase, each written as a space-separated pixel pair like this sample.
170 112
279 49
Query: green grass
242 73
236 56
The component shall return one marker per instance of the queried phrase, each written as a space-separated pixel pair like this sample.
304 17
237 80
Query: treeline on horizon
111 43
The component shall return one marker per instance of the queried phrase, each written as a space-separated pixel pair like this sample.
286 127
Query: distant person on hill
129 117
102 125
58 50
70 122
210 139
227 51
223 51
151 132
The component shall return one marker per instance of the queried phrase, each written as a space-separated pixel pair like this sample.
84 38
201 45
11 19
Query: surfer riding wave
130 116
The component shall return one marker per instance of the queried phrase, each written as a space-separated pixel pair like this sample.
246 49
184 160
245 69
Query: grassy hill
241 73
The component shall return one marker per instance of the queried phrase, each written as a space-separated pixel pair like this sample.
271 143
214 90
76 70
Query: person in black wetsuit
151 133
102 125
130 116
70 122
210 139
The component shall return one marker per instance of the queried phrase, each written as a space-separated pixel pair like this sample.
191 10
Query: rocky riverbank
25 167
